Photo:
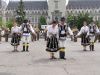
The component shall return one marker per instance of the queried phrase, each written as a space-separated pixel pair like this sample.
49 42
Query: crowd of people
4 32
55 35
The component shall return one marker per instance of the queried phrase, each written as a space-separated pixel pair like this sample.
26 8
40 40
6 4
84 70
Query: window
56 4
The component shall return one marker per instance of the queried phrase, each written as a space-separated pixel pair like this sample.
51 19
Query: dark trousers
99 38
6 37
0 37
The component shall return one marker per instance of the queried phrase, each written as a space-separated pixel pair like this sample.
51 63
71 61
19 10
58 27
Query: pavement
37 62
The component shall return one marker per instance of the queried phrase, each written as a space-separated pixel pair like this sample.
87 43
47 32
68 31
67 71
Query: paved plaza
36 62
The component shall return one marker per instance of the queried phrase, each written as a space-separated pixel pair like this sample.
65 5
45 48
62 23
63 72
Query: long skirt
52 44
85 41
15 39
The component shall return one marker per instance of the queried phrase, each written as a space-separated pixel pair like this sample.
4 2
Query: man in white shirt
93 31
63 31
26 30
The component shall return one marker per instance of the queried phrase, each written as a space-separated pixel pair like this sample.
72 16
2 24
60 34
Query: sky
28 0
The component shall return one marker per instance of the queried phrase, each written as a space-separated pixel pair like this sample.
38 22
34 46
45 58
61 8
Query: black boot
27 47
92 47
23 47
62 55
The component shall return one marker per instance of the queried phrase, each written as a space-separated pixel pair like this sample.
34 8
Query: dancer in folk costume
84 32
64 29
26 30
15 41
52 39
99 35
93 31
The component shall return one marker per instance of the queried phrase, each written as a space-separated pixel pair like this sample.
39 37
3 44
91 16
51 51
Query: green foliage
42 21
9 24
0 21
71 19
78 20
20 13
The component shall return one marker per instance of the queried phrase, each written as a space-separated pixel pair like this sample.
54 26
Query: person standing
37 30
0 34
75 31
7 34
93 32
84 33
52 39
27 31
99 35
64 29
15 31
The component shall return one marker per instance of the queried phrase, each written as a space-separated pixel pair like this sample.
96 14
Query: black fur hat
62 18
25 21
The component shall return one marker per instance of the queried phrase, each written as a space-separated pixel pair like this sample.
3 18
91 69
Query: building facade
56 9
51 9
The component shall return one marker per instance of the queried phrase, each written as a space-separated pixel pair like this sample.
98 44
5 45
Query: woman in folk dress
52 39
84 32
15 31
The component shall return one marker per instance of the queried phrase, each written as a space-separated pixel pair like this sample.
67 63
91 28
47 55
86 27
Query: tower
56 9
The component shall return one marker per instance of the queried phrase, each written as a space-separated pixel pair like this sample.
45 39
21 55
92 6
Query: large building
35 9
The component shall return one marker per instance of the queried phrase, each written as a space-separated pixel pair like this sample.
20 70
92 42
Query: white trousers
92 38
62 43
26 39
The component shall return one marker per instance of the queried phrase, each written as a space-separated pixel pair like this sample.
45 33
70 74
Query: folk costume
15 41
99 35
63 31
93 31
84 32
26 30
52 39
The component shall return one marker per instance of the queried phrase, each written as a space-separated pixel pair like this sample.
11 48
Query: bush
78 20
9 24
0 21
42 21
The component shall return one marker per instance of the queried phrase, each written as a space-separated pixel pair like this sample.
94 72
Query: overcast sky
28 0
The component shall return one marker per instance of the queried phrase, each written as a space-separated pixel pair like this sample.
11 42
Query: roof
40 5
0 3
83 4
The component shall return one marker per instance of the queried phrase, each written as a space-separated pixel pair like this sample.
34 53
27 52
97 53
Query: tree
42 21
9 24
0 21
83 17
71 19
78 20
20 13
